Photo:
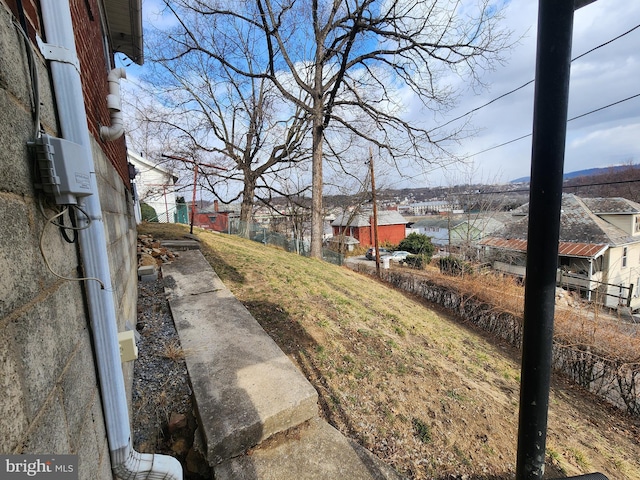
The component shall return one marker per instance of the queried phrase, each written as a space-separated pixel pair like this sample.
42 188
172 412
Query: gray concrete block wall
51 400
120 230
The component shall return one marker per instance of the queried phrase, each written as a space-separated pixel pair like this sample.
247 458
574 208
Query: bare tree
211 112
481 210
348 63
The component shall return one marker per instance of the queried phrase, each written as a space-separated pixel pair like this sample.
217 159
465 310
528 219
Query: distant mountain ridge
580 173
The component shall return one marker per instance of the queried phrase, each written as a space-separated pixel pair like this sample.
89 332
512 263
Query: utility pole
193 199
551 98
375 213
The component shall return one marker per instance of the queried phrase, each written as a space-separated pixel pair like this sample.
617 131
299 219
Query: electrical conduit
126 463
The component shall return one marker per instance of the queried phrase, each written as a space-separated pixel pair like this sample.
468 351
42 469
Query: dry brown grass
173 351
432 397
585 325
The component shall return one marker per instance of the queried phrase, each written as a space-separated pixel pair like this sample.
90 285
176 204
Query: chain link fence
177 214
290 241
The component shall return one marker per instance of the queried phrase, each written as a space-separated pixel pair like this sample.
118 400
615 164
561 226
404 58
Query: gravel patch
163 417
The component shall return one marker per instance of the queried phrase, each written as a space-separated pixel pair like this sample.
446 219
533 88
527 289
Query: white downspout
114 105
125 461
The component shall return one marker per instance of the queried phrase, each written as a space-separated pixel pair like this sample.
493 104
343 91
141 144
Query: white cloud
605 76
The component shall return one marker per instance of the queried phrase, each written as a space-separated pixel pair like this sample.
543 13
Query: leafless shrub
595 351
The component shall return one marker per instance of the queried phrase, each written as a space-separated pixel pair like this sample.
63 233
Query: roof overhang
581 3
565 249
134 158
124 20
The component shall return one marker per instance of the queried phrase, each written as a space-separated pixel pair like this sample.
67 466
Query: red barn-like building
391 227
216 220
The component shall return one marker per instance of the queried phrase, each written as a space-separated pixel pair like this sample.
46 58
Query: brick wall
51 401
89 42
88 31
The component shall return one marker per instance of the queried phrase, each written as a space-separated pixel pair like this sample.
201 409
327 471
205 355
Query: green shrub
148 213
416 261
418 244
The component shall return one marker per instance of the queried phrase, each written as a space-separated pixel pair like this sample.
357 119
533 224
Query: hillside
589 172
432 397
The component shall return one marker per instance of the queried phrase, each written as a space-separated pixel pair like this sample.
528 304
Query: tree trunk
246 208
316 192
317 217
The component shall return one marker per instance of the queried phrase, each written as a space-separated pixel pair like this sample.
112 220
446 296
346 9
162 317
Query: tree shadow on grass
294 340
226 272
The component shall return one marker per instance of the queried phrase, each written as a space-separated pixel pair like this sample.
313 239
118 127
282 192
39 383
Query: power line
486 104
530 134
531 81
528 83
569 120
602 108
606 43
501 145
564 187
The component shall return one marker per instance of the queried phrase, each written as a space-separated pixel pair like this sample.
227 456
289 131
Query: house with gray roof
459 232
599 248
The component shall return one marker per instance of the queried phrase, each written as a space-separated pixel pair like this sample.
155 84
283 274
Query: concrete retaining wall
50 403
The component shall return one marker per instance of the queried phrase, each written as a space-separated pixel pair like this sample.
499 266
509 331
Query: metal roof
612 206
487 223
385 217
565 249
124 20
439 222
579 221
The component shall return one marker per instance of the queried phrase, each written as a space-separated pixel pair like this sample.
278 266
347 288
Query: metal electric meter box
63 167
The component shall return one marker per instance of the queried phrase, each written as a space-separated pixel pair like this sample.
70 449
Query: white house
598 252
433 207
155 186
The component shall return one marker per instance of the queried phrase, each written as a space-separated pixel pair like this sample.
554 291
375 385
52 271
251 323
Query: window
636 224
624 257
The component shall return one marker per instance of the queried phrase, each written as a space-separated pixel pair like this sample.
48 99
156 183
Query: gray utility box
63 168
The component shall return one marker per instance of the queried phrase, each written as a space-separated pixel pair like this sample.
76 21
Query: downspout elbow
131 465
116 130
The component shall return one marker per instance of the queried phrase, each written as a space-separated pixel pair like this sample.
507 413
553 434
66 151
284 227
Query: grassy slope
429 395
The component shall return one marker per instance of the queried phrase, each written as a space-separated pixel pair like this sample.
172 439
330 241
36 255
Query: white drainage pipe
126 463
114 105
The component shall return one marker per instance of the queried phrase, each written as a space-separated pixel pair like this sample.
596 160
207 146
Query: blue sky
608 75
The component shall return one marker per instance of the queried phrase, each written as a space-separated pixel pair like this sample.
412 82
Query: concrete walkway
248 394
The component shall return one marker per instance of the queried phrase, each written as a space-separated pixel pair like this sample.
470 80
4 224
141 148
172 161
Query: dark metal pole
553 64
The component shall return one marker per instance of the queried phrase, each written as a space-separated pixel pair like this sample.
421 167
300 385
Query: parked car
398 256
371 253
